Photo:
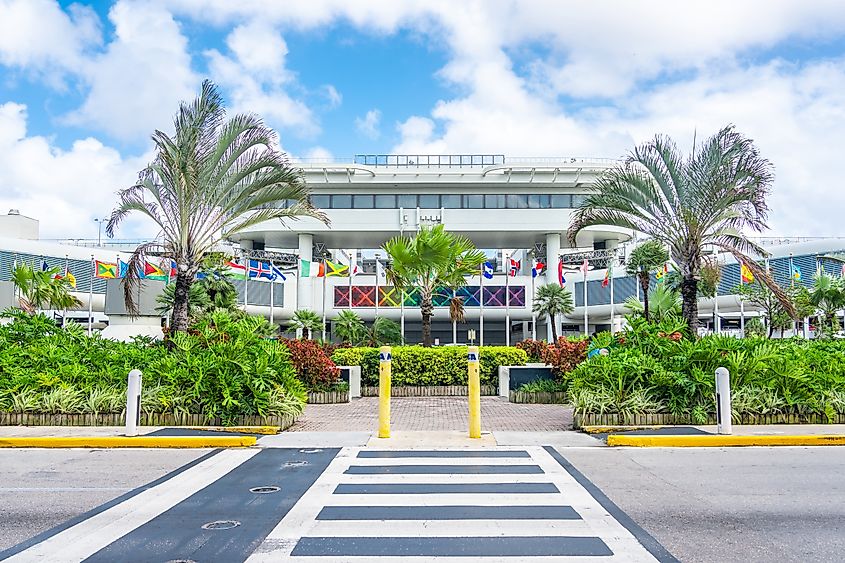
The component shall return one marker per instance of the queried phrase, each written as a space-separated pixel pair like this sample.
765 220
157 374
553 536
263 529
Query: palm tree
349 327
553 300
42 289
645 259
828 296
432 259
198 300
307 321
213 178
664 302
688 204
385 332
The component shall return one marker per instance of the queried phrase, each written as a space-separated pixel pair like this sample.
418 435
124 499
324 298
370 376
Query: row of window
448 201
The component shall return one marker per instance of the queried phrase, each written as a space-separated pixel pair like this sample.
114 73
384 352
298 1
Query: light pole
100 230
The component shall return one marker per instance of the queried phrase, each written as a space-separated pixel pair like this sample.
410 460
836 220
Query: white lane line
448 499
368 559
398 461
93 534
449 528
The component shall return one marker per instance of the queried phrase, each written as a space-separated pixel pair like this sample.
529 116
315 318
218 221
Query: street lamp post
100 230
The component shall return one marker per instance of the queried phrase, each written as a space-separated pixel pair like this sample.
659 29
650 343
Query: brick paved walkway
433 413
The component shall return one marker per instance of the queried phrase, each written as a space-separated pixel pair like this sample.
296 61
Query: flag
487 270
44 266
277 273
308 269
122 268
153 272
745 274
661 273
381 273
258 269
796 273
338 270
516 265
237 271
842 273
537 269
173 269
106 270
71 279
585 266
606 281
560 279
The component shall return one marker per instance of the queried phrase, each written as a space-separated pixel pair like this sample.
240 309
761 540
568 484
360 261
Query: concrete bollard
384 366
133 403
474 392
723 401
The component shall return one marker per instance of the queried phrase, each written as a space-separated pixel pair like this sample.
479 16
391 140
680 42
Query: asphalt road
736 504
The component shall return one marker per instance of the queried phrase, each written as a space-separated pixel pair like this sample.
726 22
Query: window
517 201
321 201
474 201
561 201
342 202
362 201
385 202
539 201
407 201
578 199
430 201
450 201
494 201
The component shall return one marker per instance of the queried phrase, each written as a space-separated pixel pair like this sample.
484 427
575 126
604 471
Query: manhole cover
298 463
265 490
221 525
310 451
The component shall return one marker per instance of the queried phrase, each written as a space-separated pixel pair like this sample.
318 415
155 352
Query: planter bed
612 419
538 397
428 391
154 419
328 397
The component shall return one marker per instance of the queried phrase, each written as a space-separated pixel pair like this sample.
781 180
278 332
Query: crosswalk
355 504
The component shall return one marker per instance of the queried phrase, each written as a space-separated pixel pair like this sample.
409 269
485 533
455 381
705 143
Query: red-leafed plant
565 355
536 349
313 366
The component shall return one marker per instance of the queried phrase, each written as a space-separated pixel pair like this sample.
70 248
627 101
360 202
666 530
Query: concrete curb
128 442
267 430
721 441
611 429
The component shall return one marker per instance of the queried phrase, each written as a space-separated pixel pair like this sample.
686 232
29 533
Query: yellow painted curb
719 441
611 429
128 442
237 429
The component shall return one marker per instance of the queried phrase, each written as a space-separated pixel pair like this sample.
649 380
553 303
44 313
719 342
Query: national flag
236 271
71 279
153 272
516 265
173 269
842 273
560 278
585 266
606 281
44 266
745 273
662 273
537 269
107 270
381 273
258 269
277 273
337 270
308 269
796 273
487 270
122 268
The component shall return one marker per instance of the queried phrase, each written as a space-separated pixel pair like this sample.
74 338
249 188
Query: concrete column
304 291
552 258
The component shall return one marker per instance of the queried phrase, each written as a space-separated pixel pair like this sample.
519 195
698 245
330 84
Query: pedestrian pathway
356 504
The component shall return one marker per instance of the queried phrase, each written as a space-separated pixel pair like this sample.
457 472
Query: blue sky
82 85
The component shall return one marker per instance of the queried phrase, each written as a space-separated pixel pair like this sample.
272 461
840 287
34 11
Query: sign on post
474 392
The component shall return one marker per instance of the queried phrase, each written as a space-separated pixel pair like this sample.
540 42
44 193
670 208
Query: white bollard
723 401
133 403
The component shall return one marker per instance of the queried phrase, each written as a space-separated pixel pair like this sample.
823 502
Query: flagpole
402 313
612 311
246 286
534 275
377 284
324 299
272 283
91 296
586 314
64 312
717 325
792 286
454 323
507 300
481 309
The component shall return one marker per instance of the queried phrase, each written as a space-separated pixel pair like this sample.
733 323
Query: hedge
415 365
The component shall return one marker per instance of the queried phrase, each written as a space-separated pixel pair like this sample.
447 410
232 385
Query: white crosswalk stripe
304 536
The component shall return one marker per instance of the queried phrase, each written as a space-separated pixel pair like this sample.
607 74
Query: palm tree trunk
644 281
179 321
689 303
554 328
427 310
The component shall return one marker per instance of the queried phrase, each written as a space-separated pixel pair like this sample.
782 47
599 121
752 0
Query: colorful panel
494 296
341 296
363 295
516 296
441 297
389 297
469 293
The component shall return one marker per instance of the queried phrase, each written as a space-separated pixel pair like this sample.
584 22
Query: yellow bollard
474 384
384 362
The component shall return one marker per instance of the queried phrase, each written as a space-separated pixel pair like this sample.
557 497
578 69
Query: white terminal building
517 208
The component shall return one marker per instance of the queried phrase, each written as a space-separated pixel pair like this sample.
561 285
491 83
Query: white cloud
64 189
137 84
332 95
368 125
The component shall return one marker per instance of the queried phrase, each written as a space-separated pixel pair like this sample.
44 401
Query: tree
759 295
42 289
828 296
198 301
645 259
213 178
688 204
664 300
432 259
384 332
307 321
553 300
349 327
